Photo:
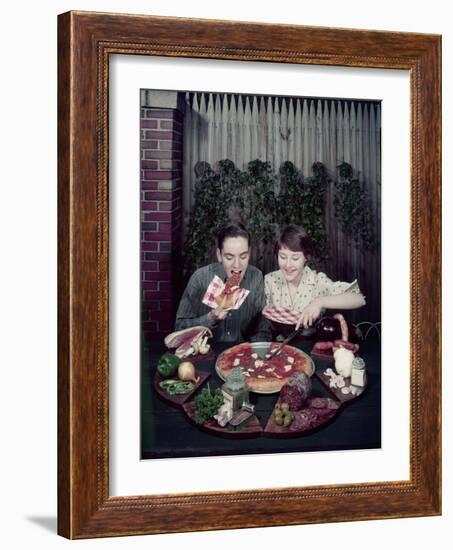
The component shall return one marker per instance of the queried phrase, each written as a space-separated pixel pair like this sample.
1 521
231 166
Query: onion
186 371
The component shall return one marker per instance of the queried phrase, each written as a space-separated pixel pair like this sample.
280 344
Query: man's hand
310 314
222 311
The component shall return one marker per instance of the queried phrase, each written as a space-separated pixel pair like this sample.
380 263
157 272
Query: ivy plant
352 207
229 194
302 201
259 203
207 216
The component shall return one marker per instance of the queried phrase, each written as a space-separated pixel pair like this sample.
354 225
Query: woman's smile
291 263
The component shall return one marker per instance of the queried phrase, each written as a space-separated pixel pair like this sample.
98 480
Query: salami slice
316 412
304 420
323 403
232 283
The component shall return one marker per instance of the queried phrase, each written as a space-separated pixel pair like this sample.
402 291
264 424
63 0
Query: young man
227 324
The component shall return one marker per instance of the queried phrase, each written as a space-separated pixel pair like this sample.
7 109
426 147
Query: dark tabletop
166 432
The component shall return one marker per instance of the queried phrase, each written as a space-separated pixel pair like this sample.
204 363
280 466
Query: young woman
299 288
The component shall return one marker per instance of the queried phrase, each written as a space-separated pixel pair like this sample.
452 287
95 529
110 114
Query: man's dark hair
230 231
295 239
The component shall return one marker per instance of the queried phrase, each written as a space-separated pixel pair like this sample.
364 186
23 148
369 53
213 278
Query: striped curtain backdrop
303 131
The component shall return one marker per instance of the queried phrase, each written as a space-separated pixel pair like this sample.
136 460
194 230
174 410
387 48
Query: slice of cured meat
317 411
323 403
304 420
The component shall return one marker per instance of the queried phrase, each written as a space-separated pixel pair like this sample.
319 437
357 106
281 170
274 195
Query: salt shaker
358 374
235 390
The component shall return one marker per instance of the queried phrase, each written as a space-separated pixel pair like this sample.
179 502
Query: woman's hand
310 313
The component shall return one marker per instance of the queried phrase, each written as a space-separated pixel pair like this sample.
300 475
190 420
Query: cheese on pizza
263 374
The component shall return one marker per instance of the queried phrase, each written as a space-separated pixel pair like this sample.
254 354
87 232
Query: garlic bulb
343 361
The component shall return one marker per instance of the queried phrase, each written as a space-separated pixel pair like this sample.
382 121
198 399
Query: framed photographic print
194 158
209 159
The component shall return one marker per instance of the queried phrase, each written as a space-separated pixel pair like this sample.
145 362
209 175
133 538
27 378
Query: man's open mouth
237 274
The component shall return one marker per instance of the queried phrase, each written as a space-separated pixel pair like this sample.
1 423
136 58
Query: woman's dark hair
295 239
232 230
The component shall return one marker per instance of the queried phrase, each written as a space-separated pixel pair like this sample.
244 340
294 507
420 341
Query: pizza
228 292
264 375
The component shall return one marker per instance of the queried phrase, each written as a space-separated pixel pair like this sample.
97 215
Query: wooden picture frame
85 508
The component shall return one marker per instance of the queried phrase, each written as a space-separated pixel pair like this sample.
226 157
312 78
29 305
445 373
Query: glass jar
235 390
358 374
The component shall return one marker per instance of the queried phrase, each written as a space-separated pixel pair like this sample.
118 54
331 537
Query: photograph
227 263
260 246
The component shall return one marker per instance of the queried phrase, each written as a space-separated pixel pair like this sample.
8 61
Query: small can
247 406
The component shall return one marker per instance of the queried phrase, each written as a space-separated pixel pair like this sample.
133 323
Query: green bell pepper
168 365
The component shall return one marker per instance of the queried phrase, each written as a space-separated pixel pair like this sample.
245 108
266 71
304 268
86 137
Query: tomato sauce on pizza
263 374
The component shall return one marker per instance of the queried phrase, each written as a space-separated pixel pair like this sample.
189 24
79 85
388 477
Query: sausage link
343 326
323 346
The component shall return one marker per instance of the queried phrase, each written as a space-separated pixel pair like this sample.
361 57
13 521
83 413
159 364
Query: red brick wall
161 211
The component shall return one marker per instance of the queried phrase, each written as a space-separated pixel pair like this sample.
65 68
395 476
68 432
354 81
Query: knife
285 341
